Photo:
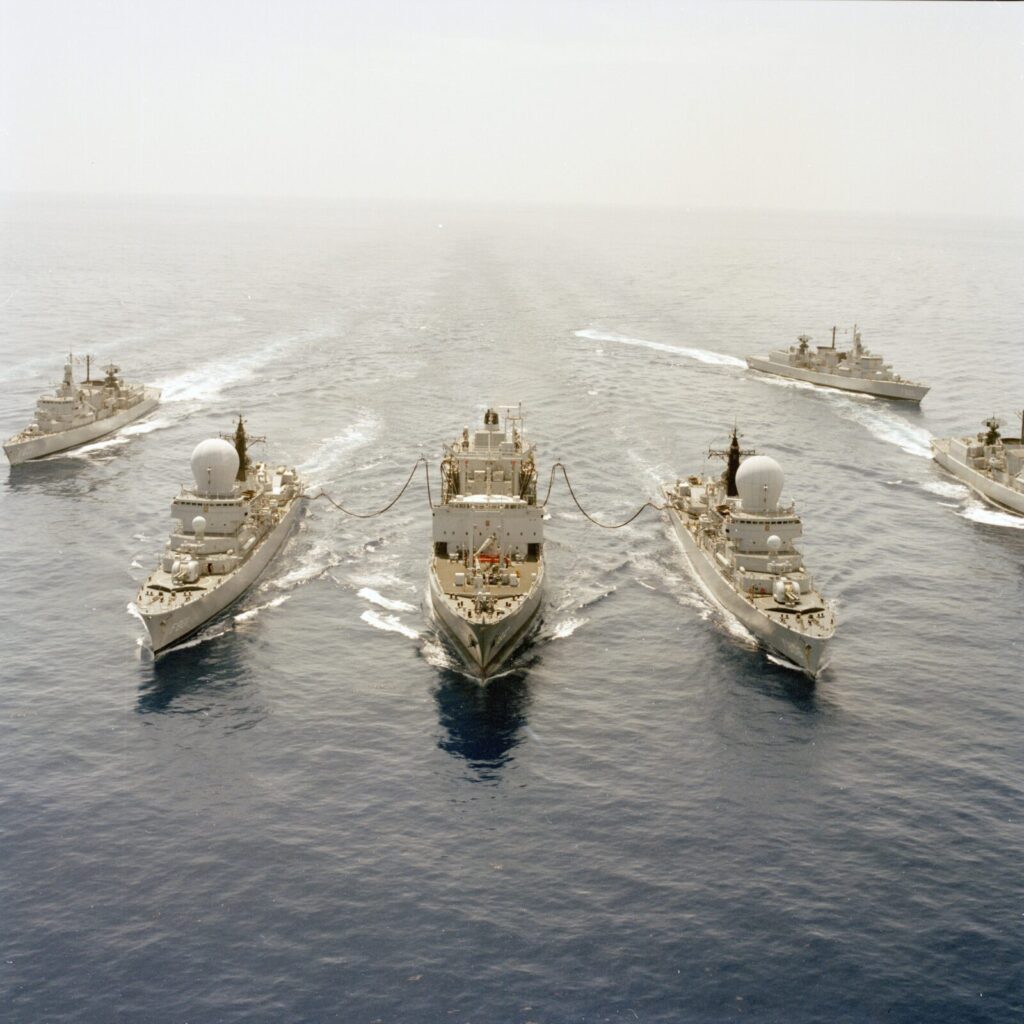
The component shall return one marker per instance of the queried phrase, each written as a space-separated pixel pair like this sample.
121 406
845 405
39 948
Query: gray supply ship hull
901 390
211 595
484 646
807 652
1003 497
39 446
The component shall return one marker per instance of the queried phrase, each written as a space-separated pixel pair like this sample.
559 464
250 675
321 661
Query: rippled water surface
307 814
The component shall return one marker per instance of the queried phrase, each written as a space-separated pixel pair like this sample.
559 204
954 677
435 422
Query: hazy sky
913 107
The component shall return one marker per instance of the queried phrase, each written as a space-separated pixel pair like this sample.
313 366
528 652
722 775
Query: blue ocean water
309 815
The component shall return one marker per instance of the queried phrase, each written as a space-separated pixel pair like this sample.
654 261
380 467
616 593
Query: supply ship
990 464
855 369
227 527
739 540
78 413
486 573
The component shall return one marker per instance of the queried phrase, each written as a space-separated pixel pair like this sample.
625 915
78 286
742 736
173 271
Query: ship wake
702 355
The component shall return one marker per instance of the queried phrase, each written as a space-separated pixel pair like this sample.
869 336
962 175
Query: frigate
990 464
227 526
854 369
740 542
486 573
77 413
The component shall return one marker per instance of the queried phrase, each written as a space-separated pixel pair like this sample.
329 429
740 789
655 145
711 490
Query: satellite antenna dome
759 482
774 542
214 465
199 526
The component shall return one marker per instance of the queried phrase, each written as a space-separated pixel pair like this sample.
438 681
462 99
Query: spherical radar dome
759 482
214 465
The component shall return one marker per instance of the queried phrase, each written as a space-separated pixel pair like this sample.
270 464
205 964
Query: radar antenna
732 456
241 440
992 436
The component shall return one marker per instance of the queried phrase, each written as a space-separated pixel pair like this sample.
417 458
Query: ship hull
173 626
900 390
808 653
51 444
1002 497
485 647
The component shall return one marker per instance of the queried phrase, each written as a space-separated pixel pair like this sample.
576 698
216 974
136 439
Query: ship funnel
759 482
214 465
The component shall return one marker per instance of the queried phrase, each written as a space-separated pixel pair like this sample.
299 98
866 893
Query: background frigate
77 413
854 369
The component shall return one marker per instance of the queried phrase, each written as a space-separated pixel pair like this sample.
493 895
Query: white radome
759 482
214 465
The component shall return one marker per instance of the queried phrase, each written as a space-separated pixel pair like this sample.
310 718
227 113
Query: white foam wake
947 489
145 427
869 412
389 623
379 579
86 450
312 564
979 513
566 628
887 425
251 613
702 599
777 659
374 597
332 452
700 354
205 382
438 656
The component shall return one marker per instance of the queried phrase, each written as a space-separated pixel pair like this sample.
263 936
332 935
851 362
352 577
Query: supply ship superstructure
990 464
77 413
740 541
486 573
227 527
854 369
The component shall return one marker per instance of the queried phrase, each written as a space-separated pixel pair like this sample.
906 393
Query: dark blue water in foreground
307 815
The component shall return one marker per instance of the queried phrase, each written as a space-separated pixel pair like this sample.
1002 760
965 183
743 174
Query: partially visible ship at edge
77 413
856 369
990 464
486 572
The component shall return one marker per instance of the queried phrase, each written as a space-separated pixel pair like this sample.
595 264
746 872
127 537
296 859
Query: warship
739 541
77 413
991 465
855 369
486 573
227 526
